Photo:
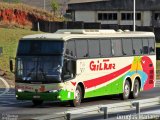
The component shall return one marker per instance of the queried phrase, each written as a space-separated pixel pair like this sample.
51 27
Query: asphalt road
25 109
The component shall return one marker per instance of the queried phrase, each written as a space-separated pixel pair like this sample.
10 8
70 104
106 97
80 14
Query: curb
7 87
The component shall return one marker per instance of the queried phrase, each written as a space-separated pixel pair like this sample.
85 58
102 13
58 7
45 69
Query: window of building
94 48
127 46
129 16
117 47
110 16
70 48
151 46
100 16
138 16
105 48
157 16
137 46
82 48
123 16
114 16
107 16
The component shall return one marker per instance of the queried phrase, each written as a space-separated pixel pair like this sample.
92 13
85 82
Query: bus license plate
36 97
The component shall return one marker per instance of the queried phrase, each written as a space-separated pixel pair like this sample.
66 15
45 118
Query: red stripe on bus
73 83
106 78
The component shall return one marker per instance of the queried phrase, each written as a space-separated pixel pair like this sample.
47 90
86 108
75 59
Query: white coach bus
71 65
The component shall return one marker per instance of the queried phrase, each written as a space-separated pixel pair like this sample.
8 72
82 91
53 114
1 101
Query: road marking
6 98
6 85
7 103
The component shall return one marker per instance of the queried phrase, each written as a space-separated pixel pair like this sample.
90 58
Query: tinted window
127 47
114 16
40 47
145 46
123 16
100 16
93 48
137 46
105 48
138 16
129 16
117 47
152 46
81 48
70 48
107 16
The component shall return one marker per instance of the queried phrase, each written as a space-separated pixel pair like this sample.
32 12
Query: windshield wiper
30 73
43 74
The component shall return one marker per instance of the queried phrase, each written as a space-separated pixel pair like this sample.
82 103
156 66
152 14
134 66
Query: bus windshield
39 61
40 47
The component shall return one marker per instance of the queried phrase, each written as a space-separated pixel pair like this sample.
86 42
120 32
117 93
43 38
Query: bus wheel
126 90
37 102
78 97
136 89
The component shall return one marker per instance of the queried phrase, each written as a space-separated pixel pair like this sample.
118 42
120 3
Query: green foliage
55 6
13 1
8 41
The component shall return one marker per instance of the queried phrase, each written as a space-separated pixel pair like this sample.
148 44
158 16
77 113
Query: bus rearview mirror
11 65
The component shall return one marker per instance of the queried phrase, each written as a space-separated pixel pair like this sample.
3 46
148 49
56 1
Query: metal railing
157 83
103 110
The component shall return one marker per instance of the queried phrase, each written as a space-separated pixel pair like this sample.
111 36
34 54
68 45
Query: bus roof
67 34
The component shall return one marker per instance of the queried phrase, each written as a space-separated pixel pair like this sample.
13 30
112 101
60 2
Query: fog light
20 90
53 91
58 97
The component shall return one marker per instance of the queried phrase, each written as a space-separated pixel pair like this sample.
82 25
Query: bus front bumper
45 96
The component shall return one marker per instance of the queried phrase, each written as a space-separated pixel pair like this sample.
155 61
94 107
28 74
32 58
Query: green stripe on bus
115 87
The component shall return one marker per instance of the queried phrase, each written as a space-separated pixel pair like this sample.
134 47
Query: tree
13 1
55 6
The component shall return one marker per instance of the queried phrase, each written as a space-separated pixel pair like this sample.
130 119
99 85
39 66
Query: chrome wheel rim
77 96
126 90
136 87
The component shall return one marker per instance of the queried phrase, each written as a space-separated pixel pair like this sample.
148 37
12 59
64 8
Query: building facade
117 12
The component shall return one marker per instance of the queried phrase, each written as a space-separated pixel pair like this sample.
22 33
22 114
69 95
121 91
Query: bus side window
117 47
127 47
105 48
134 52
145 49
145 46
94 51
70 48
151 46
81 48
137 46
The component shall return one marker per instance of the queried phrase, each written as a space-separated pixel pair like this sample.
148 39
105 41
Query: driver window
69 69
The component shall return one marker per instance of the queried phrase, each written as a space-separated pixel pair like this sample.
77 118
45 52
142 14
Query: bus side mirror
11 65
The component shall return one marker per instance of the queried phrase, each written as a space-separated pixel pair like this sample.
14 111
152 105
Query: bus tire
37 102
136 89
126 90
78 97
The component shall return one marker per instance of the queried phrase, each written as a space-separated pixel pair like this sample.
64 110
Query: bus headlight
20 90
59 97
54 91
